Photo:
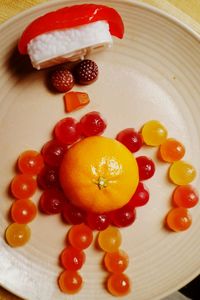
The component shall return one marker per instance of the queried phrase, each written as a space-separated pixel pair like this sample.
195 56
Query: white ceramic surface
153 73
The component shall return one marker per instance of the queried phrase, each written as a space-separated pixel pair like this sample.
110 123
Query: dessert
23 211
179 219
79 172
62 80
91 124
75 100
17 235
146 167
153 133
69 33
181 172
118 284
80 236
171 150
70 282
23 186
116 262
86 72
185 196
131 139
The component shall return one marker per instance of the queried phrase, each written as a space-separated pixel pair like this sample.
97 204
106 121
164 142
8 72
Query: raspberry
86 72
62 80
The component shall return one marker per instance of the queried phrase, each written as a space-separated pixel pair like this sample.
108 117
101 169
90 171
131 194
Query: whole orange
99 174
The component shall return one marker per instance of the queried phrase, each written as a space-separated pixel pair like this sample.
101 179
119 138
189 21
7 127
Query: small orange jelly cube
75 100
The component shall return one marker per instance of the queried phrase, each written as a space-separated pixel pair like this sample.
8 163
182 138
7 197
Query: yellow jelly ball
182 173
154 133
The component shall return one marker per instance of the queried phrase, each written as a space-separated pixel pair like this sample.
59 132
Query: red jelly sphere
140 197
53 152
131 139
66 131
98 221
124 216
48 177
72 259
92 124
146 167
52 201
73 214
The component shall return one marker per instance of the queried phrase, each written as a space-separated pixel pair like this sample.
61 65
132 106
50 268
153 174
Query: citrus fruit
99 174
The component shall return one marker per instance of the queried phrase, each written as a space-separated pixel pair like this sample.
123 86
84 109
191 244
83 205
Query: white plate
153 73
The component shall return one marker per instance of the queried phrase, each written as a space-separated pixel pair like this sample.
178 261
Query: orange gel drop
17 235
30 162
23 211
116 262
179 219
80 236
118 284
109 239
171 150
23 186
70 282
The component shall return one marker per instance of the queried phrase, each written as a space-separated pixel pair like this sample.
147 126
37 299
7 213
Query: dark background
192 289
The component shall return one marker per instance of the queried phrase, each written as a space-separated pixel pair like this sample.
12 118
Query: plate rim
135 3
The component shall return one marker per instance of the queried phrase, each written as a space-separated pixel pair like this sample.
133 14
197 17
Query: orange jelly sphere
118 284
70 282
17 234
80 236
179 219
23 186
185 196
116 262
23 211
109 239
171 150
30 162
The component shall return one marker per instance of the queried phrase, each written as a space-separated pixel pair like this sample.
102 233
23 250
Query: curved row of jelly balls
181 173
72 258
115 261
23 187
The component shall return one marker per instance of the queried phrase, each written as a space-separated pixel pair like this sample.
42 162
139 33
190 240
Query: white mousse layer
57 46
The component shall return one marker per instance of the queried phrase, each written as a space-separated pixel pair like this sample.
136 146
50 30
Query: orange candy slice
75 100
